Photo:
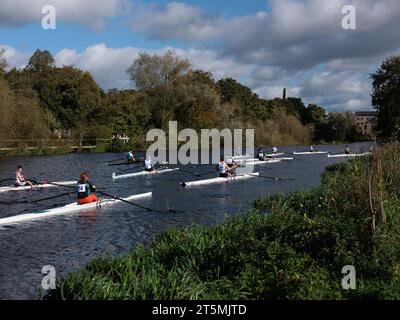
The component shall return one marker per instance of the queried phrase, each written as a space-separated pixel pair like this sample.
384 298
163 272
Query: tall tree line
42 99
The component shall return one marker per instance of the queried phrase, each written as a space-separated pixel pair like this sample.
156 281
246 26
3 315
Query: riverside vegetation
67 102
287 247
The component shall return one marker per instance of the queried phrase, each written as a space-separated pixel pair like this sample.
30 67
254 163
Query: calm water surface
70 242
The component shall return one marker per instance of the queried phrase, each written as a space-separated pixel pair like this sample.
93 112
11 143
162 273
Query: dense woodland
41 99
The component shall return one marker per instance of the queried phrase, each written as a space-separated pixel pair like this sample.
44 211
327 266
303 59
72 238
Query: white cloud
92 13
174 21
344 90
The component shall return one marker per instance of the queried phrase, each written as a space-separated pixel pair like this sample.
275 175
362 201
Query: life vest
83 190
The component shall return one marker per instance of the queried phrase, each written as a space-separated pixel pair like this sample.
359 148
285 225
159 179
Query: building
366 122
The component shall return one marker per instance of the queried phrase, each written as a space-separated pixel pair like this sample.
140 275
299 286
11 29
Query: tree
248 105
158 76
386 96
313 114
337 127
40 61
3 62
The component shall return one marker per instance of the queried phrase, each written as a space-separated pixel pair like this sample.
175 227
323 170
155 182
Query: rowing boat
310 153
245 156
268 161
273 155
348 155
70 208
41 186
141 173
219 180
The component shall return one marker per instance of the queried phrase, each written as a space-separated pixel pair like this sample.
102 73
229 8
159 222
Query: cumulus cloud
14 58
92 13
174 21
293 34
335 90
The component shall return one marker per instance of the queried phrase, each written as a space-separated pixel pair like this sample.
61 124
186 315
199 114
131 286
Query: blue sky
266 45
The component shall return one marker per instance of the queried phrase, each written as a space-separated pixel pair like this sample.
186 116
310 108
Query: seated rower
130 157
274 150
20 180
261 154
148 165
311 149
231 162
223 169
347 150
86 190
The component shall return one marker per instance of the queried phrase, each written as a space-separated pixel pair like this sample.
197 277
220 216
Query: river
69 242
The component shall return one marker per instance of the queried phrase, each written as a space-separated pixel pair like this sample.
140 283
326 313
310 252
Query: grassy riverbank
288 247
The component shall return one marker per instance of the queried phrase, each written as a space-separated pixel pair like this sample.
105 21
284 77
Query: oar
120 159
54 197
272 178
51 183
132 203
9 179
125 163
132 168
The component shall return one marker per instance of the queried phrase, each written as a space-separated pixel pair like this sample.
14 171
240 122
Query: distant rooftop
367 114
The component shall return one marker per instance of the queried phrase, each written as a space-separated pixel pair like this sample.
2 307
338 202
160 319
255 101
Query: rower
130 157
261 154
230 162
148 165
274 150
311 149
347 150
20 180
223 169
371 149
86 190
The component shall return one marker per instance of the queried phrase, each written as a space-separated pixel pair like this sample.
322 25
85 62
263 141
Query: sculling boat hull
253 162
70 208
142 173
310 153
273 155
259 162
219 180
40 186
348 155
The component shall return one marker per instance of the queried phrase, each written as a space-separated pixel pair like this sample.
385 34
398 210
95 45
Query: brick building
366 122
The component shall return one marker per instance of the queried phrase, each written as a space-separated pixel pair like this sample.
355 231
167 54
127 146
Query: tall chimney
284 93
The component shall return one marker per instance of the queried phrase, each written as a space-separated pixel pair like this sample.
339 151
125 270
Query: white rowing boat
268 161
219 180
310 153
40 186
273 155
353 155
70 208
141 173
245 156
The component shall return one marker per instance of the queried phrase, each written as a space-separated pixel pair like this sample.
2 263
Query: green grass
288 247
